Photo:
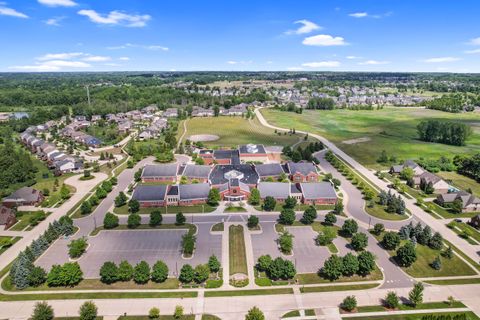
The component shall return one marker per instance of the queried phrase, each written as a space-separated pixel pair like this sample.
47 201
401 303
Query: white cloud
52 65
60 56
232 62
132 45
474 51
116 18
124 58
96 58
306 27
321 64
475 41
441 59
359 14
353 57
5 11
324 40
58 3
373 62
54 21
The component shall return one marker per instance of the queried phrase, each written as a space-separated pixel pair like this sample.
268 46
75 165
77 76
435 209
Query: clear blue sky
353 35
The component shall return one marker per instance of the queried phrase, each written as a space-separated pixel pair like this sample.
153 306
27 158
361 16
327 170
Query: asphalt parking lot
265 242
135 246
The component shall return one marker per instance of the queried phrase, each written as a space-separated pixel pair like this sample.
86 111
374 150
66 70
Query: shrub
42 311
141 272
269 204
180 219
178 313
378 228
188 243
37 276
349 228
406 255
155 218
125 271
88 311
159 271
110 221
252 221
133 206
254 314
390 240
186 274
77 247
349 303
437 263
366 263
134 220
286 242
213 264
109 272
332 268
359 241
350 264
391 300
201 273
154 313
287 216
264 262
330 219
281 269
326 237
416 294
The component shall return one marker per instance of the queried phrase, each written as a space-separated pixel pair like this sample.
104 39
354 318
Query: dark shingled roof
25 194
160 170
217 176
302 167
270 169
150 193
173 191
194 191
318 190
196 171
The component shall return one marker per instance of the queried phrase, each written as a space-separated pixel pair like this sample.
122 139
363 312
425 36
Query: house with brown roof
7 217
26 196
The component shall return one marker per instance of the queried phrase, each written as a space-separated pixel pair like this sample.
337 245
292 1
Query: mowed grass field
234 131
392 129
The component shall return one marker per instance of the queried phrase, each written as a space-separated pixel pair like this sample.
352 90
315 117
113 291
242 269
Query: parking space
265 242
207 244
308 257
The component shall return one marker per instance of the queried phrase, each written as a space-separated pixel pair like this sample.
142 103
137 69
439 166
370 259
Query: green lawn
421 306
236 130
218 227
418 316
461 182
425 255
254 292
235 209
7 242
237 252
454 281
339 288
174 209
28 218
313 278
99 295
392 129
108 133
471 231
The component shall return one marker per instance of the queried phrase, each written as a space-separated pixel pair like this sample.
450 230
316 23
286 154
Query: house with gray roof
193 194
7 217
280 191
25 196
160 173
470 203
245 173
439 185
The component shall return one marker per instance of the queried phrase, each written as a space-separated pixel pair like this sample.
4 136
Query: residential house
475 221
7 217
470 203
439 185
171 113
25 196
417 170
202 112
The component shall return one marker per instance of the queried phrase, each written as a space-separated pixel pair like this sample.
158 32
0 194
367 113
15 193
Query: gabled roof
194 191
270 169
196 171
160 170
429 177
303 168
150 193
318 190
25 194
278 190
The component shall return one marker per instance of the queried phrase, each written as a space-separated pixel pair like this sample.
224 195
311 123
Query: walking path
437 225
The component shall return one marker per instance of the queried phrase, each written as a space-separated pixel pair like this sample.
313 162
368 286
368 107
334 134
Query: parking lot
307 256
135 246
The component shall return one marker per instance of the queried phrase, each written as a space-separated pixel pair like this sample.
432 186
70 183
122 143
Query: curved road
470 250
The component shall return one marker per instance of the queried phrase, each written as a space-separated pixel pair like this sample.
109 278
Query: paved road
472 251
83 187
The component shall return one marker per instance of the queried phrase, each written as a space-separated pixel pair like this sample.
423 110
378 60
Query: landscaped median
237 257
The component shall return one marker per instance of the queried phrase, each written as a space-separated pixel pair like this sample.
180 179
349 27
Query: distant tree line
468 165
447 132
319 103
